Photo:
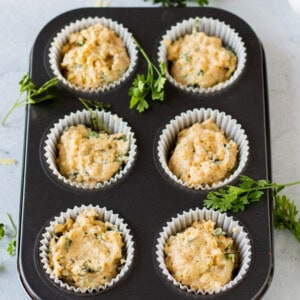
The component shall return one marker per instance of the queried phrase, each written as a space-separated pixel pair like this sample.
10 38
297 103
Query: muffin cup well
232 228
55 54
231 128
107 216
114 123
211 27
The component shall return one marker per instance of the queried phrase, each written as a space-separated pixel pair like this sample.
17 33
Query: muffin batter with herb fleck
90 157
203 154
201 257
94 57
199 60
86 252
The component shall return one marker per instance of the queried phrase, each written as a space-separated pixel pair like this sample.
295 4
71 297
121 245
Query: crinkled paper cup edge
108 216
114 123
231 226
212 27
55 55
231 128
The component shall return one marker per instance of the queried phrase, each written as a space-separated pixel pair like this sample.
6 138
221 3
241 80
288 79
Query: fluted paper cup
229 225
114 123
106 216
232 130
211 27
55 52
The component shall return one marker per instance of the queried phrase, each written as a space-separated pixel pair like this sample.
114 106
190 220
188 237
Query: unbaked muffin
94 57
86 252
89 156
199 60
201 257
203 154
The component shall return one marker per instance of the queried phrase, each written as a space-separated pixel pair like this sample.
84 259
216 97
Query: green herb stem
15 105
236 198
12 224
34 95
271 186
95 120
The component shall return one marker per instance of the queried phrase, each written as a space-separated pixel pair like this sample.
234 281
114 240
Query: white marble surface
277 26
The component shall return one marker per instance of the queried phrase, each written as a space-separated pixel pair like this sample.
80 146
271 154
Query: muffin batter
201 257
94 57
90 157
203 155
199 60
86 252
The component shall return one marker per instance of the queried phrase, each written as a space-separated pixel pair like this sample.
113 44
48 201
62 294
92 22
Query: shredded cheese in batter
199 60
203 154
94 57
201 257
86 252
90 157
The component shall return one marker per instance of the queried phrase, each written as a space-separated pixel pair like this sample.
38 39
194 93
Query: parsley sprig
2 231
11 247
179 3
153 83
96 122
33 95
285 215
236 198
95 104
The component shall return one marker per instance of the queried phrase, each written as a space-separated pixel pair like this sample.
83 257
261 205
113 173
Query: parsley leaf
285 213
236 198
179 3
149 84
11 248
34 95
2 231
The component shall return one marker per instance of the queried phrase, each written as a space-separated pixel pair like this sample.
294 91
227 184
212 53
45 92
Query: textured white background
277 26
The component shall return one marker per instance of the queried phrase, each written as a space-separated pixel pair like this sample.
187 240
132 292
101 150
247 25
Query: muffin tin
145 197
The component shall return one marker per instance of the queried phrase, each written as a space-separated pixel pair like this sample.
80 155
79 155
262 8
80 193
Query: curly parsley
33 95
236 198
153 83
11 247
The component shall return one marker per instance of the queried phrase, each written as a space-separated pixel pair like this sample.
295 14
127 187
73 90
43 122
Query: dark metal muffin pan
144 198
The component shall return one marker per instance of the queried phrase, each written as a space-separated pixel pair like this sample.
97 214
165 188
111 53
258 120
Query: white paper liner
114 123
55 55
232 228
107 216
211 27
233 131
